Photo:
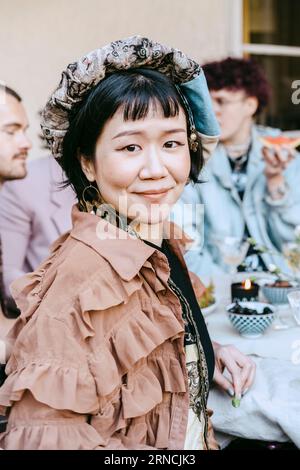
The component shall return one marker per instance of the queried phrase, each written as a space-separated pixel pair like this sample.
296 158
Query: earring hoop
91 206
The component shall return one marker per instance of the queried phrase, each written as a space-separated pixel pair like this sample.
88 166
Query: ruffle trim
52 436
141 333
62 388
145 390
101 295
144 394
26 290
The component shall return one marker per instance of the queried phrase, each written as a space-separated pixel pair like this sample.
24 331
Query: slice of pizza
291 142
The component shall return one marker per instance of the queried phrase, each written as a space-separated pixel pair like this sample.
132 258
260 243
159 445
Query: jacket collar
123 252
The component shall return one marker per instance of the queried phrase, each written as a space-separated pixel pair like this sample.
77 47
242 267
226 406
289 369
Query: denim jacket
222 213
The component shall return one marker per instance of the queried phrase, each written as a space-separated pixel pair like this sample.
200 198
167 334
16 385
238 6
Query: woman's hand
240 367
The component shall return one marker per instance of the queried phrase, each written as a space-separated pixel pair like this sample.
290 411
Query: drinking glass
294 301
279 323
291 252
233 251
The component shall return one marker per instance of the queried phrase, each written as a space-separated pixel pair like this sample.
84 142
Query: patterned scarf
135 52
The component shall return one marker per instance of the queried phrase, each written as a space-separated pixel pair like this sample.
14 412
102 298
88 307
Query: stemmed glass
233 251
279 323
283 311
291 252
294 301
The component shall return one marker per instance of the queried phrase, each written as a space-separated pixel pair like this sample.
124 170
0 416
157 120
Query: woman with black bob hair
111 350
134 91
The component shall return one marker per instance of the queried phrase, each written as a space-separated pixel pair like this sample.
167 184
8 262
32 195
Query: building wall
38 38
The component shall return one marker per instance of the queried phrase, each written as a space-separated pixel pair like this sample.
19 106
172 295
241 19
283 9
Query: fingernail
230 392
245 391
236 402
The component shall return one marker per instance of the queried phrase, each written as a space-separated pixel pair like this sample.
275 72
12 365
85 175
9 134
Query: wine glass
233 251
291 251
294 301
279 323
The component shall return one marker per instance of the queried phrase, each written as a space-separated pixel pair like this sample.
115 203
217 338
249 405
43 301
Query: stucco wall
38 38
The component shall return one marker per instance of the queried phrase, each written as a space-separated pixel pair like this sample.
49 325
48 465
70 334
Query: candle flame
247 284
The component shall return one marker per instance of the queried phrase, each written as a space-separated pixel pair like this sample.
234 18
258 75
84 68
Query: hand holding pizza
278 152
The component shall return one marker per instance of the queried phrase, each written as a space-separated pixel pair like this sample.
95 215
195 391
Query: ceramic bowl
277 295
251 326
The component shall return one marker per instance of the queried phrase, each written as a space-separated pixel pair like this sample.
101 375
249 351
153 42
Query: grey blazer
33 213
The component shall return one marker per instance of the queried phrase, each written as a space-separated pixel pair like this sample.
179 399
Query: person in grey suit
14 148
33 213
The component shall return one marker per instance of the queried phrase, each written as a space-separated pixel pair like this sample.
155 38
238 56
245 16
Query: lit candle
244 291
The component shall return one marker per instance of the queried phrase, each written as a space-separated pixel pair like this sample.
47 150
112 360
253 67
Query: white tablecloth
276 344
271 409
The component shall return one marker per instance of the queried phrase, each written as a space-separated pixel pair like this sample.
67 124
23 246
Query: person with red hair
249 190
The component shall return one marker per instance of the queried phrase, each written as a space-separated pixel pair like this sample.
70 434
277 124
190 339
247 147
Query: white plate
211 308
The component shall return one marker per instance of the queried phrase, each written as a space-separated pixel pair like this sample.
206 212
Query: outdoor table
270 411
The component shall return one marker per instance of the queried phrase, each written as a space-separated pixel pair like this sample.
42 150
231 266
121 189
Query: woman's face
142 166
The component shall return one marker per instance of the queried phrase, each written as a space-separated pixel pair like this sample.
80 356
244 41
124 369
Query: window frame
239 43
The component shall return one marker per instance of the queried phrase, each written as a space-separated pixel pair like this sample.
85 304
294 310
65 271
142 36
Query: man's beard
17 171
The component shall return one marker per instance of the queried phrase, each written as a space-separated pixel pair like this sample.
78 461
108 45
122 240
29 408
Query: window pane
272 22
281 72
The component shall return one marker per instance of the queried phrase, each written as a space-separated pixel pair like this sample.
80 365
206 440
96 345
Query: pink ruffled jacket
98 356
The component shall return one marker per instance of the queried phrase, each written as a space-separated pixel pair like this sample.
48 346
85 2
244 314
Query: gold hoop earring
91 206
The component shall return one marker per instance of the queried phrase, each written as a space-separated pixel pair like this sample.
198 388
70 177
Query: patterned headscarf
131 53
